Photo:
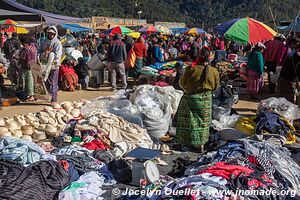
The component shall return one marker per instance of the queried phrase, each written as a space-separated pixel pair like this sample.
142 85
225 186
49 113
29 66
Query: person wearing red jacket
68 79
274 56
140 51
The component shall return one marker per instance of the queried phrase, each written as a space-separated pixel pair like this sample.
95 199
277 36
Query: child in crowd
68 79
82 71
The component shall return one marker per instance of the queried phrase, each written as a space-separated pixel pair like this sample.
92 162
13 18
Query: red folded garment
95 145
160 83
226 170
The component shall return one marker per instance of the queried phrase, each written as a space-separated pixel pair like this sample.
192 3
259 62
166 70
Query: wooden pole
273 19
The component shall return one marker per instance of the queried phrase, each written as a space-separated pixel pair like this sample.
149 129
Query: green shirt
256 62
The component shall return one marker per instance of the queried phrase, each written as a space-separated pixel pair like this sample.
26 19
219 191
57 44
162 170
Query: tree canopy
192 12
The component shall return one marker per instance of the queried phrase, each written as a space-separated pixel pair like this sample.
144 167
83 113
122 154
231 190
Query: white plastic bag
281 106
274 76
156 113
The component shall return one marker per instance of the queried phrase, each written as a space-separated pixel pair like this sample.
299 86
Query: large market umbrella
149 30
134 34
123 30
164 30
12 28
195 31
245 30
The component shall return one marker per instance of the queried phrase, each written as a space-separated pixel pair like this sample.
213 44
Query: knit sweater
256 62
198 79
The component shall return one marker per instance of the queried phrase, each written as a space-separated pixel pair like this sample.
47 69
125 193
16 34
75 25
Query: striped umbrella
164 30
123 30
245 30
12 28
149 30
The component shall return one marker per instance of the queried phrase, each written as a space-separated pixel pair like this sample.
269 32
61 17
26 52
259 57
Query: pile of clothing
237 165
222 102
28 172
167 69
281 106
86 151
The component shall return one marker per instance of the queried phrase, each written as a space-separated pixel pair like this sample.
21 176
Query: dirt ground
24 108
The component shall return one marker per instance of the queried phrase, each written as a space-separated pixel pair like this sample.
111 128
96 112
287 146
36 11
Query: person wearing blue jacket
116 55
255 70
156 53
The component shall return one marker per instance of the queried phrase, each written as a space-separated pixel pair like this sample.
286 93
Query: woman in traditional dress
68 79
27 55
140 51
255 70
195 108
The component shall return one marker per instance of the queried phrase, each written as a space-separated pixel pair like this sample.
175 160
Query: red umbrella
11 28
123 30
149 30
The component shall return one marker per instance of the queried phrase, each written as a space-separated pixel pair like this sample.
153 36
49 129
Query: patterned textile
193 119
254 82
27 54
68 82
135 72
52 84
21 151
29 82
41 180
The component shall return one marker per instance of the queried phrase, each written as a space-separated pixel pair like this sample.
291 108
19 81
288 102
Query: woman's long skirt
254 82
135 72
194 119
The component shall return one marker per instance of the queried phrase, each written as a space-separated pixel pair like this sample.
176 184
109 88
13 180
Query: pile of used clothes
167 69
75 150
259 161
69 149
238 165
222 102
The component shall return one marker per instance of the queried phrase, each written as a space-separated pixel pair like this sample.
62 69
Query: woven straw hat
44 119
2 122
16 133
29 118
20 119
39 135
52 130
67 117
11 124
27 130
53 121
75 113
26 137
56 106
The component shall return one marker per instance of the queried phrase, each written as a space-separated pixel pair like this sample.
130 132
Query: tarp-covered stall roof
37 15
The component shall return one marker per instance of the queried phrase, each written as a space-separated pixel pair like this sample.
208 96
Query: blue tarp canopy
35 14
179 30
281 27
74 27
295 25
